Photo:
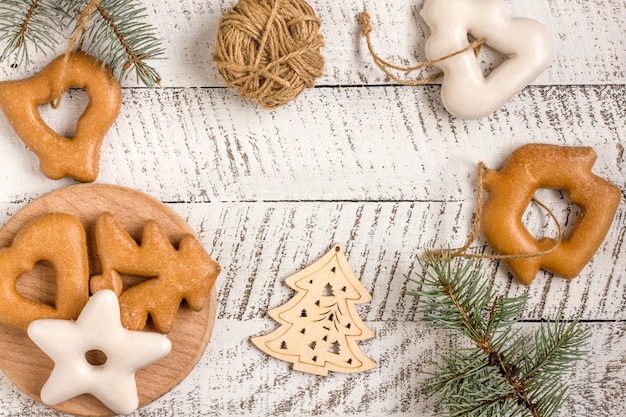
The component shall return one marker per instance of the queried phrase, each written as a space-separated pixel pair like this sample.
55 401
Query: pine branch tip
505 370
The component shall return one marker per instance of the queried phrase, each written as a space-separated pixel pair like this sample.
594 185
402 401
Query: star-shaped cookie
99 329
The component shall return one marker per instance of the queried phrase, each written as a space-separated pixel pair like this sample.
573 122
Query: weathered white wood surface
589 39
382 169
368 143
234 380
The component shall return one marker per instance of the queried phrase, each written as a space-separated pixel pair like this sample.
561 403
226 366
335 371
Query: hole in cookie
538 221
488 58
38 284
63 119
96 357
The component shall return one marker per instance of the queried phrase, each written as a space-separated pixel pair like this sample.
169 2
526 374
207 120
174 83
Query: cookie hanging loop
462 251
83 19
385 66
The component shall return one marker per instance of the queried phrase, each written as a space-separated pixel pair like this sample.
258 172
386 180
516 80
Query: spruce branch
117 34
29 24
504 373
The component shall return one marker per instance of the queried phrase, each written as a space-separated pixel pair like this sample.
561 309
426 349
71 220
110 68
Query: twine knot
269 50
83 19
366 23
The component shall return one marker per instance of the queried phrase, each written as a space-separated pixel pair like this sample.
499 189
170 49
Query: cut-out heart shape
510 191
465 92
59 156
59 239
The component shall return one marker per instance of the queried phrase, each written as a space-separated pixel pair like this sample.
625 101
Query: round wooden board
28 367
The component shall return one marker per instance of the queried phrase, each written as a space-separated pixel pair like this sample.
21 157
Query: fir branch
118 33
25 24
115 33
556 345
504 374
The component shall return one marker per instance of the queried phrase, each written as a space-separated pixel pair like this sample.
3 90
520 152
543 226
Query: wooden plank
264 243
588 37
386 143
258 245
235 378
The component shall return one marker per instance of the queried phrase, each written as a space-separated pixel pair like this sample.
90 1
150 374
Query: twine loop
269 50
386 67
462 252
83 19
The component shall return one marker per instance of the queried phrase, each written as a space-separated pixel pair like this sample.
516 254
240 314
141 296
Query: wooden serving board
28 367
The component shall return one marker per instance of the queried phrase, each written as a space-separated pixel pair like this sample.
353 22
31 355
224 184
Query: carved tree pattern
320 325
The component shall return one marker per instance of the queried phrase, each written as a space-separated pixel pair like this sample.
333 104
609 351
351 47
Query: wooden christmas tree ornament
59 156
510 191
320 325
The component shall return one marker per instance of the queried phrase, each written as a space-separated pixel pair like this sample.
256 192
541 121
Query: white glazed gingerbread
97 328
464 91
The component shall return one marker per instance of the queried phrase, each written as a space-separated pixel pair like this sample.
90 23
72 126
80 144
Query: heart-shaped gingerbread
60 240
465 92
59 156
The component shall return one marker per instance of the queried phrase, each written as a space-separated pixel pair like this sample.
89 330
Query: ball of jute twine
269 50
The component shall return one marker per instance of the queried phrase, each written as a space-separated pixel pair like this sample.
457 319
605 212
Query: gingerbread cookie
58 239
510 191
59 156
185 273
465 92
28 366
98 328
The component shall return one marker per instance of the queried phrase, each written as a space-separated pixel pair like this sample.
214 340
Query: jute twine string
462 252
83 19
385 66
269 50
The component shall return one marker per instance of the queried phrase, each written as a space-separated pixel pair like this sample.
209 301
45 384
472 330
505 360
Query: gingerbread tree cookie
320 324
186 272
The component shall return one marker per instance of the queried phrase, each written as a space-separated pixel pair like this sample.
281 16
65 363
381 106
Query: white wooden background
382 169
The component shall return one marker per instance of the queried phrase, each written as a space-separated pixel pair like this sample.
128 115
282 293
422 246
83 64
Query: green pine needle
505 374
119 34
116 33
28 24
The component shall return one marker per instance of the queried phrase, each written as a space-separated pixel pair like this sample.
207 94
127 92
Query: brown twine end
366 23
386 67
